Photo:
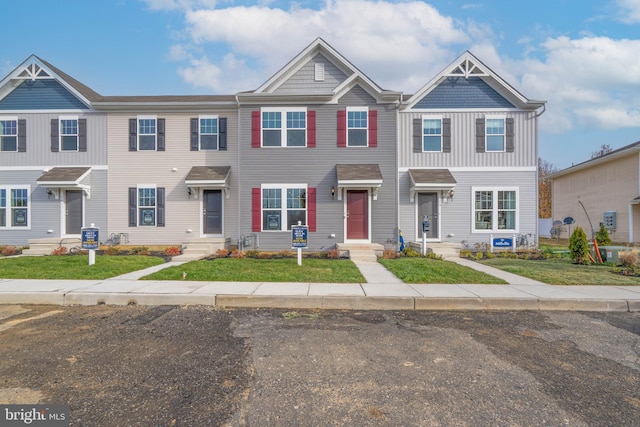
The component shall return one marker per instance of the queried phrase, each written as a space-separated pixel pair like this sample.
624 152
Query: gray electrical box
610 220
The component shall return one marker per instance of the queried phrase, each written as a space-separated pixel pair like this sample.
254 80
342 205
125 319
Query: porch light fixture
189 191
450 194
333 193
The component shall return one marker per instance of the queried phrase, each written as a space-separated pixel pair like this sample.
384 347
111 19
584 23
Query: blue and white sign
502 242
90 238
299 236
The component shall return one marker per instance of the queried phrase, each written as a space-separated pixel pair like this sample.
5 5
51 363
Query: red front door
358 214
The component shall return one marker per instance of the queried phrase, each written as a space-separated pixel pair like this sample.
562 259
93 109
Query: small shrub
465 253
237 253
222 253
252 253
479 255
60 250
579 246
320 254
172 251
140 250
390 254
410 252
286 253
264 255
112 250
333 254
628 259
8 250
489 255
433 255
602 236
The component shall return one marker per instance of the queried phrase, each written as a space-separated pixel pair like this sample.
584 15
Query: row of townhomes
318 143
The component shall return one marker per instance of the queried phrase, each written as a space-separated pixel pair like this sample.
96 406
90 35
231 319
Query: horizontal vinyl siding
463 142
304 79
316 168
39 143
456 214
129 169
606 187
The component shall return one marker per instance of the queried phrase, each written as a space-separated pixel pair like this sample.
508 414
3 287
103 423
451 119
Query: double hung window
68 134
284 127
283 206
208 132
9 134
357 126
146 206
495 133
432 134
146 133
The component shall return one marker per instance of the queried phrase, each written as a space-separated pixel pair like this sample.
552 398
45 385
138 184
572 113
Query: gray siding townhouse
53 156
318 146
467 158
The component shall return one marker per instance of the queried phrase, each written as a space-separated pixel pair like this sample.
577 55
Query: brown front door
357 214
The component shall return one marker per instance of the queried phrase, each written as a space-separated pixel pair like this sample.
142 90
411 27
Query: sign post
299 239
425 230
91 241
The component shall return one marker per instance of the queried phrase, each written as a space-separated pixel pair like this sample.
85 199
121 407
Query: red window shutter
311 129
256 210
255 129
342 128
311 209
373 128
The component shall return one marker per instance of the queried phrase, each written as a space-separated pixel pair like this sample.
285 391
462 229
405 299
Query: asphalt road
197 366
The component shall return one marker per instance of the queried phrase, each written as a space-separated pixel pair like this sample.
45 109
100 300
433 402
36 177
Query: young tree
545 169
602 236
579 246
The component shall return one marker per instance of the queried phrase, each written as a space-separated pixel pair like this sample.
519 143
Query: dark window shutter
133 207
22 135
509 135
160 206
255 129
311 209
222 134
256 209
446 135
55 136
82 135
311 129
480 136
133 134
160 135
373 128
342 128
417 135
194 134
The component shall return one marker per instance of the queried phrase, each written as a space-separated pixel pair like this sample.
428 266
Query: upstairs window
495 134
209 133
284 128
68 134
432 134
357 128
147 134
9 134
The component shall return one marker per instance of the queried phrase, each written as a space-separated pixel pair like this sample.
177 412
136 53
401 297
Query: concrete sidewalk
383 291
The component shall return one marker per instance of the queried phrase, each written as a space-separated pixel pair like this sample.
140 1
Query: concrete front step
47 245
443 249
201 247
347 249
362 255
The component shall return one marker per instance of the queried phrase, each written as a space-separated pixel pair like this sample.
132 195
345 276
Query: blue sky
581 56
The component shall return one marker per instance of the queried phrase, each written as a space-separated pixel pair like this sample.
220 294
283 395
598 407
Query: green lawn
73 266
560 271
427 270
264 270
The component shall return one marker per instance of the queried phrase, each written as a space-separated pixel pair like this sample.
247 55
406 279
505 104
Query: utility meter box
610 220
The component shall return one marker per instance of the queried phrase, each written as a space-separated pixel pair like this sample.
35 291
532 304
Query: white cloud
629 11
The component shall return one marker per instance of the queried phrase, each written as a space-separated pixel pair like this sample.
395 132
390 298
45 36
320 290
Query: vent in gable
319 72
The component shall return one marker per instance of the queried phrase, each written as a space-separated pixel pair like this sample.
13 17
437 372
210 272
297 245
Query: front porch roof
359 176
65 178
431 180
216 177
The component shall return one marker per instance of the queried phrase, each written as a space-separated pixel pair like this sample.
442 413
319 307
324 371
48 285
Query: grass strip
427 270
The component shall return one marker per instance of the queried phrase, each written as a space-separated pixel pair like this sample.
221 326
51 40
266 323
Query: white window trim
138 207
8 208
486 134
432 117
208 116
12 118
283 129
60 135
494 217
354 109
138 133
283 205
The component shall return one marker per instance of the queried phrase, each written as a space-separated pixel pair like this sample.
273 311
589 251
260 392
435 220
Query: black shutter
509 135
194 134
417 135
55 138
222 132
133 134
133 206
480 135
160 207
22 135
82 135
446 135
160 134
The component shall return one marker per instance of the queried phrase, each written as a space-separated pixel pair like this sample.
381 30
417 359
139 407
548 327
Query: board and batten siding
456 214
316 168
608 186
463 142
182 213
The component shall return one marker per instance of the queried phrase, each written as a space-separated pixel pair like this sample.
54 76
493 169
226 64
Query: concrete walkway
383 291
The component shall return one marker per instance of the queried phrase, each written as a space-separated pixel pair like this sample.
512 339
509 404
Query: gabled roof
34 68
354 77
627 150
468 66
